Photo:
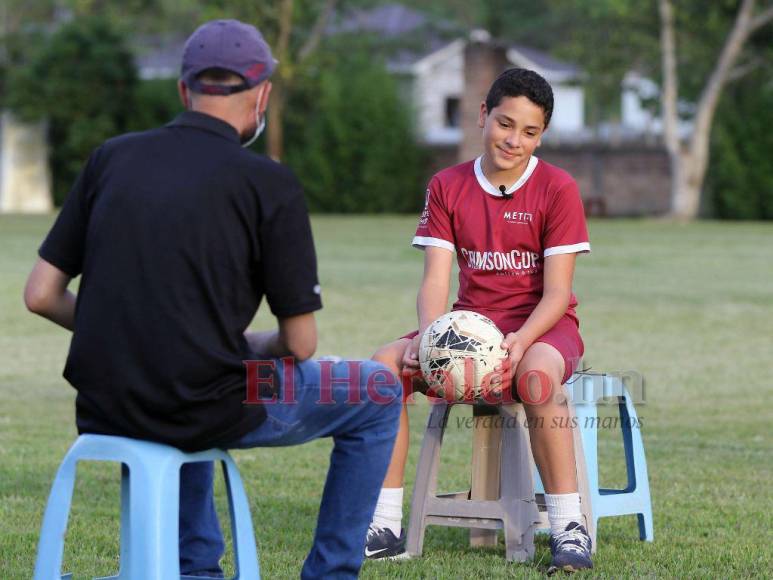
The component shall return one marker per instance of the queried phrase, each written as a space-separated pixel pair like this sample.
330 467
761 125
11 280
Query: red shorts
564 337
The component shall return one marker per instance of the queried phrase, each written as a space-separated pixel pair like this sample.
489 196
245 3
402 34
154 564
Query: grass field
690 307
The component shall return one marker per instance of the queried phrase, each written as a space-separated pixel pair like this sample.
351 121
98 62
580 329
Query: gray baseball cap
230 45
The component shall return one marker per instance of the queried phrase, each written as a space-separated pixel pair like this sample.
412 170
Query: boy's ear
482 116
542 134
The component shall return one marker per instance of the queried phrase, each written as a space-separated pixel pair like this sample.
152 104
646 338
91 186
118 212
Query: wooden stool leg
486 451
425 486
517 486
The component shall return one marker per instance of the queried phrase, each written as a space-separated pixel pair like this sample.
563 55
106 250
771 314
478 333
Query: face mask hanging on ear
260 127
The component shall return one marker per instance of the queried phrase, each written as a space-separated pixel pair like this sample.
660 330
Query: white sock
389 509
563 508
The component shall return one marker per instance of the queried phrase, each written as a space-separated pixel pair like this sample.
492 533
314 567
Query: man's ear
264 97
483 114
182 90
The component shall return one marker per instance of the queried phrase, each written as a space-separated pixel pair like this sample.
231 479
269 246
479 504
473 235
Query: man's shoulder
266 175
265 171
134 138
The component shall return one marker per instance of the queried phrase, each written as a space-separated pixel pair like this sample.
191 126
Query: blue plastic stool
585 390
150 505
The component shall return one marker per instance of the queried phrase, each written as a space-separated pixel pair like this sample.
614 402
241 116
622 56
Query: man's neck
223 113
498 177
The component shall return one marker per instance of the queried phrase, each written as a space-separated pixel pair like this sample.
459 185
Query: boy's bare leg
396 472
385 538
391 355
549 429
552 445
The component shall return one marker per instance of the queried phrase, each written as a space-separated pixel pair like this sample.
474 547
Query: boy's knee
537 386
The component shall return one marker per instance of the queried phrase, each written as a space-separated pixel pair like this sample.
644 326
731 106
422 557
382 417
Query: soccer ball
459 351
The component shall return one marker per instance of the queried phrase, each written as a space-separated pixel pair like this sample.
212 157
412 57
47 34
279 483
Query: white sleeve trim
421 242
570 249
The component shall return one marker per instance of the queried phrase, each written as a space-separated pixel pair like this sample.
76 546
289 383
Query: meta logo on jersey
518 217
501 261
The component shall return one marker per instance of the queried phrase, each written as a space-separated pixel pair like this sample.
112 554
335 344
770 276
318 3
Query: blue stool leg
586 413
627 433
646 528
51 545
153 521
124 561
638 463
125 571
241 523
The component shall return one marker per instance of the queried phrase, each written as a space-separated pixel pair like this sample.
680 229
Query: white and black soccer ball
448 342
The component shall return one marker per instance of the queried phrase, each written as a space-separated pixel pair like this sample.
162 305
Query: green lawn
690 307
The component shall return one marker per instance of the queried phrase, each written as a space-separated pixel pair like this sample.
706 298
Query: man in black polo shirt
177 234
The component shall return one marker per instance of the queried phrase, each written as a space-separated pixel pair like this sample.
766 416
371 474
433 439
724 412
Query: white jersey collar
490 189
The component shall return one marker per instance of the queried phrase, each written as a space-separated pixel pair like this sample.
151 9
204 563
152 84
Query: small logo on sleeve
425 214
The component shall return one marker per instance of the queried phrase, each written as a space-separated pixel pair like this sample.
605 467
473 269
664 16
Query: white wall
568 109
437 77
633 114
25 180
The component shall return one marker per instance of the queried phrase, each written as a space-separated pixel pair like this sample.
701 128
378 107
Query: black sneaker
571 550
382 543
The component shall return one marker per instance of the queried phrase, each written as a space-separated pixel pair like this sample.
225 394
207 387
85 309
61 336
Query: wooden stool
501 494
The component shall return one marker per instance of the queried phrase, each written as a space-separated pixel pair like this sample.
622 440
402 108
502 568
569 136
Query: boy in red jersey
515 224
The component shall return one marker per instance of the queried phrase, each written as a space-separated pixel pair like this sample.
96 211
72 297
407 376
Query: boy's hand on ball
504 371
411 355
515 350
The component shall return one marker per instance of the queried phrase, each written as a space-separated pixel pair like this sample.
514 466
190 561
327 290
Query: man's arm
432 299
296 336
46 294
556 294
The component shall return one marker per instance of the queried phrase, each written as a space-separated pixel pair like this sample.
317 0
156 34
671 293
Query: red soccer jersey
501 241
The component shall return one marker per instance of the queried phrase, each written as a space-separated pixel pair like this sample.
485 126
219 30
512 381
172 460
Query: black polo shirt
178 233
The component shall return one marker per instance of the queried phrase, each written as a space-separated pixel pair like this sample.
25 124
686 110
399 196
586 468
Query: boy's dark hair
521 82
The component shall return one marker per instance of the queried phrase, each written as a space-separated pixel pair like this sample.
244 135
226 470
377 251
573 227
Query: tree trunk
668 101
690 161
686 184
275 136
286 71
274 132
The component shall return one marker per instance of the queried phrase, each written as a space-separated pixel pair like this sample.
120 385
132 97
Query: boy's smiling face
511 132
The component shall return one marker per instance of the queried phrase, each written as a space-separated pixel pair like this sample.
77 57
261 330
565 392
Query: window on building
452 111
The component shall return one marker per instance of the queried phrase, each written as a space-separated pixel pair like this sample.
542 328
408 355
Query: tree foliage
80 78
740 179
349 139
82 81
349 136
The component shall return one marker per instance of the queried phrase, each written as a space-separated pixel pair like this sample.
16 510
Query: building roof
393 20
389 20
542 60
158 57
